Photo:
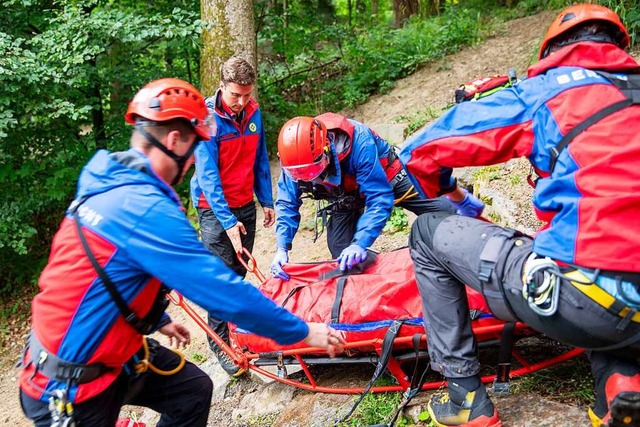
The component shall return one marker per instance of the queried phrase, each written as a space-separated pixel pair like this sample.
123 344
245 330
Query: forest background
69 67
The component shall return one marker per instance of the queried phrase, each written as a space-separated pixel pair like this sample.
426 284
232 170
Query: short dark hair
237 70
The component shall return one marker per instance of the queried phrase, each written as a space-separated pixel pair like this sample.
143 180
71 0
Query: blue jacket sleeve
262 174
208 176
372 180
490 130
287 208
165 245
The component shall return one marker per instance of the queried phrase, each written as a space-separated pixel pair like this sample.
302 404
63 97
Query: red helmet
579 14
168 99
303 148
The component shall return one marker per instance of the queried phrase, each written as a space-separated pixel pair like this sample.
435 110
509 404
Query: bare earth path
513 46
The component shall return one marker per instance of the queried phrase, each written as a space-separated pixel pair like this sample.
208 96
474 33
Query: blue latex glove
351 256
281 258
469 206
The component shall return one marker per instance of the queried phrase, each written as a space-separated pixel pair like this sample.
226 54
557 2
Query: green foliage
419 119
376 408
311 68
487 173
629 12
397 222
68 69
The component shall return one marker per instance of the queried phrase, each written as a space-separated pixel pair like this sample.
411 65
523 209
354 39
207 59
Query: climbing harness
540 284
61 409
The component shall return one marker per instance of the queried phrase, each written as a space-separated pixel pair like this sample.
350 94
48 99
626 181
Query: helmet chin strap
180 160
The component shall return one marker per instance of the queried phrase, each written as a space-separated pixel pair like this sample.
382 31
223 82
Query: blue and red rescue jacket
233 164
362 170
138 232
591 201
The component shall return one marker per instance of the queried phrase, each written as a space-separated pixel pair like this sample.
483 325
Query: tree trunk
232 34
403 9
374 7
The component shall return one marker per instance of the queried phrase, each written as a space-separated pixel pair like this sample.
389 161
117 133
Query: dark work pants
342 225
183 399
446 254
215 239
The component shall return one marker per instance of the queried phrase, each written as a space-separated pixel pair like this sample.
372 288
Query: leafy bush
342 66
68 69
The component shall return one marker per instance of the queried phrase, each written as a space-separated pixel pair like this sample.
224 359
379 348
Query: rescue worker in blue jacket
124 241
230 168
577 120
343 161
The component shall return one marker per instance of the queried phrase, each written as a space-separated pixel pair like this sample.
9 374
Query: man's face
236 96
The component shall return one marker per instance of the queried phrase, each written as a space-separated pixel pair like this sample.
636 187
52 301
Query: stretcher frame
486 330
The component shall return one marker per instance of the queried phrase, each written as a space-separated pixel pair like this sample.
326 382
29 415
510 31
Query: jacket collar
590 55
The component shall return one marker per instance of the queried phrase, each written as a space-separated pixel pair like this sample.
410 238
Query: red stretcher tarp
385 291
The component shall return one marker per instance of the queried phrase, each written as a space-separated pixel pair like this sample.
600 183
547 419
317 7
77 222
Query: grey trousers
446 251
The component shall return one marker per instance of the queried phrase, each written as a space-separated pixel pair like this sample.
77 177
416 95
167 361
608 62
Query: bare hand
269 217
234 236
179 336
322 335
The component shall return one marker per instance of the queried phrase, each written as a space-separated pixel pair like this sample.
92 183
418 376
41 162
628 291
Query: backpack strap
143 326
629 85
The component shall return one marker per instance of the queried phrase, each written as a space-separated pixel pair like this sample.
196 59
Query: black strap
337 302
383 361
343 276
629 86
582 126
501 383
143 326
55 368
292 292
416 381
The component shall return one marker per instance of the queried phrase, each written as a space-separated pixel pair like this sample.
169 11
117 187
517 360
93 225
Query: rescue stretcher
378 310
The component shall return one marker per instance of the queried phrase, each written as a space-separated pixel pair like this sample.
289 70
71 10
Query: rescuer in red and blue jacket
124 241
343 161
578 280
230 167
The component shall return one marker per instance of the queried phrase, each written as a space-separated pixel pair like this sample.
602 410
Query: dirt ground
432 86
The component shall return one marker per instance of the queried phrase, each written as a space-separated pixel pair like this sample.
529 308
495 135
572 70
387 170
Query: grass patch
419 119
570 383
377 408
487 174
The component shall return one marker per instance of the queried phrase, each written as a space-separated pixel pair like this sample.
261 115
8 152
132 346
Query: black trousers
183 399
215 239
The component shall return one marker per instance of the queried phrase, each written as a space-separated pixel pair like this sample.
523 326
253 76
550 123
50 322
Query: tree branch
305 70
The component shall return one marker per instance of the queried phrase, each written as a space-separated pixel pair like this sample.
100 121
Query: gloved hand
469 206
281 257
351 256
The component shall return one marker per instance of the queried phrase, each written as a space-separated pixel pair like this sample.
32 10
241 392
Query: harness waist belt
626 276
55 368
603 298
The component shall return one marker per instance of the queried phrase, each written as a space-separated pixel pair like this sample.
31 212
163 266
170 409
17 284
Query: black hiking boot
227 363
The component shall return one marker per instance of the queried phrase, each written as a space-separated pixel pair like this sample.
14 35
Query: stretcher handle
251 265
238 358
